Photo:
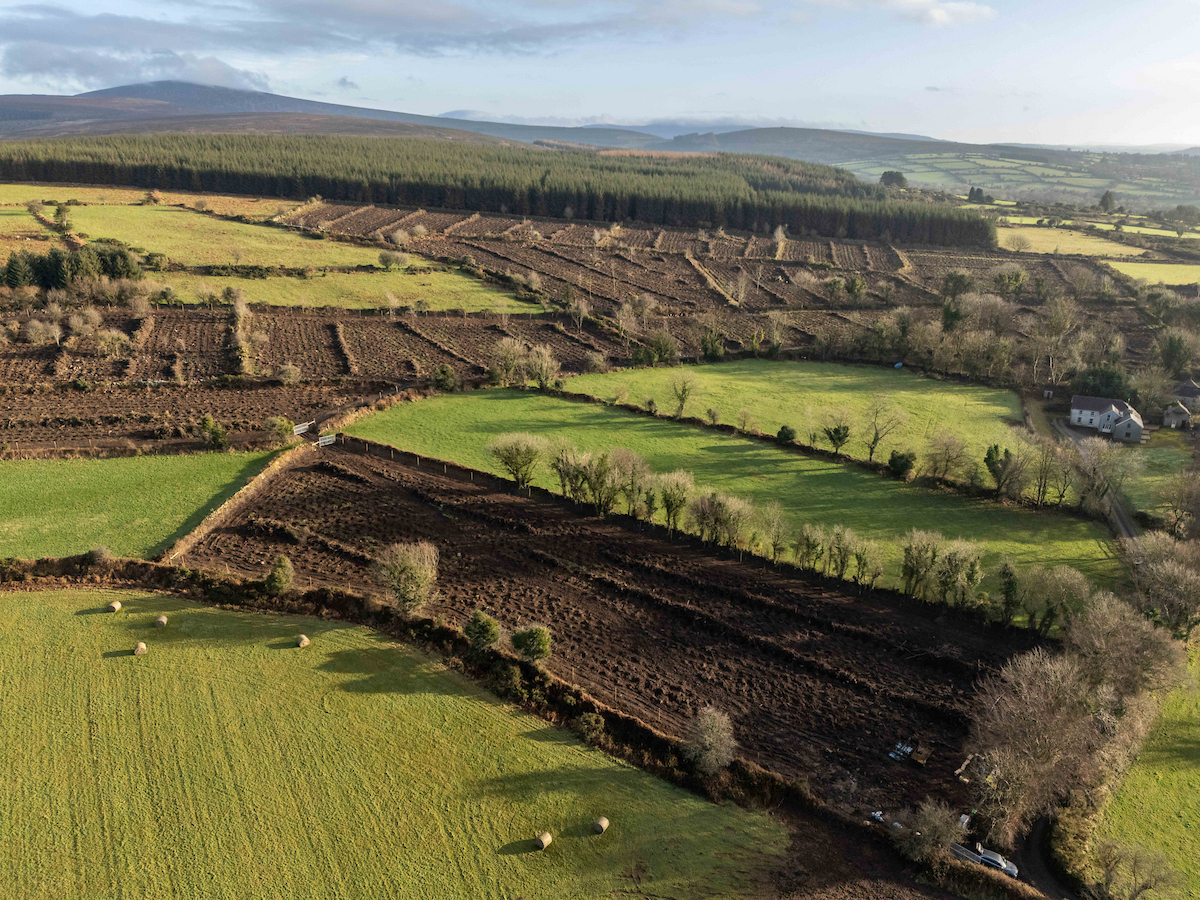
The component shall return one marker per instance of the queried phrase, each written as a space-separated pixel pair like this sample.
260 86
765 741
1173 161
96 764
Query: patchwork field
1158 805
356 767
225 205
1064 240
457 427
192 239
1154 273
134 506
800 393
440 290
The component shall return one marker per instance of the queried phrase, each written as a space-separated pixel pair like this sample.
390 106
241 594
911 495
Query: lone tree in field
533 643
279 579
542 366
408 572
892 178
683 386
1018 243
882 418
519 455
837 430
710 746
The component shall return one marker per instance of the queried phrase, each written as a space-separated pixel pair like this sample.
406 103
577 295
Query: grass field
1158 806
20 231
135 506
227 764
442 290
1154 273
1064 240
1167 453
799 393
255 207
193 239
457 427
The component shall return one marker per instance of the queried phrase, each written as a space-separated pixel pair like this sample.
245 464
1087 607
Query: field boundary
281 463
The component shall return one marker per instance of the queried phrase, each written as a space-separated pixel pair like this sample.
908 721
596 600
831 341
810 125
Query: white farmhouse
1107 416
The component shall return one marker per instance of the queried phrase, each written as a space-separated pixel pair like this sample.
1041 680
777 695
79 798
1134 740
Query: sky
1072 72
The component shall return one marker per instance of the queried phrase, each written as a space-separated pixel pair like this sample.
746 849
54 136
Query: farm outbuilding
1176 416
1107 416
1188 393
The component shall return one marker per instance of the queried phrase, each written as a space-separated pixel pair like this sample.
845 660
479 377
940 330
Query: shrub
482 630
532 643
589 726
927 833
408 572
213 433
901 463
713 415
519 455
445 379
594 361
787 434
288 374
280 428
279 579
652 406
710 745
506 680
98 555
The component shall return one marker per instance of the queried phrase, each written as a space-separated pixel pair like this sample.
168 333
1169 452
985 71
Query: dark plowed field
820 681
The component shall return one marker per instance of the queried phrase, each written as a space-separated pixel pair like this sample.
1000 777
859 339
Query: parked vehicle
984 857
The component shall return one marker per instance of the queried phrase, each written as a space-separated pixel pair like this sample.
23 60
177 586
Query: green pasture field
458 427
20 231
135 506
800 393
226 763
442 290
1167 453
1063 240
1155 273
226 205
193 239
1158 804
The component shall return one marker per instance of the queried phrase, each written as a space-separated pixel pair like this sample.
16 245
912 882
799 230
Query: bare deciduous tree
519 455
882 419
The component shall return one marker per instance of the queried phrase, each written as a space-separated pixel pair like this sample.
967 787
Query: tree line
735 191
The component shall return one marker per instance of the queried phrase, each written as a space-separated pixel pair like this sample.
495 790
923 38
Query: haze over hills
1142 177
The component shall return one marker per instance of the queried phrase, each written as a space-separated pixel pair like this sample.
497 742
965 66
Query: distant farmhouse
1188 393
1108 416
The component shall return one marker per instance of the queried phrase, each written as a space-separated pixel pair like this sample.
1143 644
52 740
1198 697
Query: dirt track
821 681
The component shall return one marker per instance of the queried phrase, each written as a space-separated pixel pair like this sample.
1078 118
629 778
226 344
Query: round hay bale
140 649
303 641
601 825
542 841
114 606
160 622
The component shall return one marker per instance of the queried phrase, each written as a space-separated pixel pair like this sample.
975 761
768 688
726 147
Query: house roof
1134 416
1100 404
1177 409
1187 388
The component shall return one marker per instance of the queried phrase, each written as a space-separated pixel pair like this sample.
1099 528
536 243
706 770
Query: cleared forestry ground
1156 273
440 289
193 239
228 760
458 427
1158 804
135 506
800 394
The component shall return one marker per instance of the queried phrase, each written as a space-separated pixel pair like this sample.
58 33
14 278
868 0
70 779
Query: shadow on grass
91 612
518 848
552 735
389 670
114 654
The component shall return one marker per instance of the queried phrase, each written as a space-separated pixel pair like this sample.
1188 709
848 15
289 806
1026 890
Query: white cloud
941 13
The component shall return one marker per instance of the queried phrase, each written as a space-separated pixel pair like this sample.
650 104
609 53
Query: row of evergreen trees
734 191
58 268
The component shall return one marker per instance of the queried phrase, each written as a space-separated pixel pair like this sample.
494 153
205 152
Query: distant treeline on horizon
751 193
